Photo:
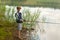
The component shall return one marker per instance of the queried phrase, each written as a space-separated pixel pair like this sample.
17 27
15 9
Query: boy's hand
24 20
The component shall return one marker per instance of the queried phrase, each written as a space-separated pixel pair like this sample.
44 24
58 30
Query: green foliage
5 32
2 10
5 25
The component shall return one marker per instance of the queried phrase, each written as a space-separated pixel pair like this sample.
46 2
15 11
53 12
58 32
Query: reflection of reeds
7 16
10 18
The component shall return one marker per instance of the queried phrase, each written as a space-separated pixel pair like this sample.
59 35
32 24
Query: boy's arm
23 20
15 14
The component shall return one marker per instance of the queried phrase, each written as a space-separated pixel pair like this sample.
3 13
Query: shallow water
46 31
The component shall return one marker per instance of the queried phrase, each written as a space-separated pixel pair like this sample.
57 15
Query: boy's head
18 8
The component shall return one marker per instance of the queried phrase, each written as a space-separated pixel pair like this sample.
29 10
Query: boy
19 20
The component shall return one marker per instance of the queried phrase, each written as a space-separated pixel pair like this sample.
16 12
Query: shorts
19 26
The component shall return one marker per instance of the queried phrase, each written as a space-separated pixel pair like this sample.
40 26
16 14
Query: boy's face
18 10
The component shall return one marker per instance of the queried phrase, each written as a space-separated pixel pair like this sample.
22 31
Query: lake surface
50 29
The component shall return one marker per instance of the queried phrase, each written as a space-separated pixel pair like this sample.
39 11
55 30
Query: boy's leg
19 34
19 29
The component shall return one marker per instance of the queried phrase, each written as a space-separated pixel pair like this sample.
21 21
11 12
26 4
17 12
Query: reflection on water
45 31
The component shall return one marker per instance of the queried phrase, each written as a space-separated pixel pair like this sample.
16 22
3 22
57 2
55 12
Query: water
45 31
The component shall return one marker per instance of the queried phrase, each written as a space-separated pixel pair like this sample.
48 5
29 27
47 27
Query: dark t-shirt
18 17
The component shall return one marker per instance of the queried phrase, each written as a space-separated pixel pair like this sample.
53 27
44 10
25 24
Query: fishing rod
43 22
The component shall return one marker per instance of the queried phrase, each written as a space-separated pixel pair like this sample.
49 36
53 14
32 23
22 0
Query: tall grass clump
30 18
3 23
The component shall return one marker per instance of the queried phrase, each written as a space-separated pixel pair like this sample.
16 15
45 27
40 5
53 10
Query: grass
5 26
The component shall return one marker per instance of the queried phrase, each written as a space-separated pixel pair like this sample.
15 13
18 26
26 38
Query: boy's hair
18 7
